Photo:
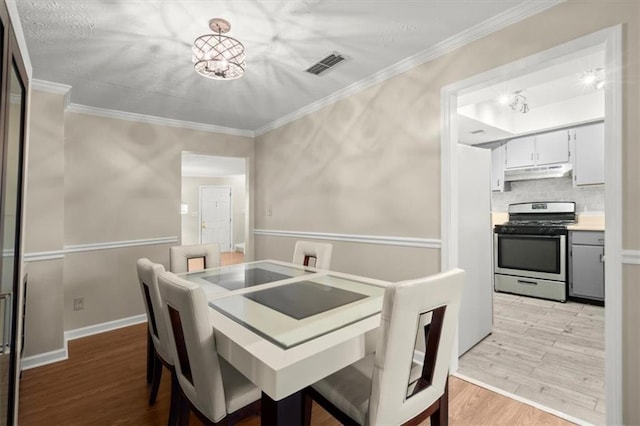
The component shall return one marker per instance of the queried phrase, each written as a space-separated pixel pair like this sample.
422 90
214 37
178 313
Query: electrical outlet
78 303
269 211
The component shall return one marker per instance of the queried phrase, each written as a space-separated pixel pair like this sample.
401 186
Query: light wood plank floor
103 383
548 352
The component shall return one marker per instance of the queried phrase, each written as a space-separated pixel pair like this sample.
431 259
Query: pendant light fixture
218 56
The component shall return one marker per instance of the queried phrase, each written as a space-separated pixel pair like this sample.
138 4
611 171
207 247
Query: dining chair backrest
193 345
428 306
148 273
194 257
317 255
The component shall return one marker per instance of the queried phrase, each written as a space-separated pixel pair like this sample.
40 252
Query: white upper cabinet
552 148
520 152
588 167
539 150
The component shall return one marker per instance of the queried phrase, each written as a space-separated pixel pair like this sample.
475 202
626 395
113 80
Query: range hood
538 172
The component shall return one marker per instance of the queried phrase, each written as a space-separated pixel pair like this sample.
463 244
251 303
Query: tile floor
548 352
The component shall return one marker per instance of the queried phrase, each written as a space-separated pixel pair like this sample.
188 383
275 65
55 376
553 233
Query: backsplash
588 199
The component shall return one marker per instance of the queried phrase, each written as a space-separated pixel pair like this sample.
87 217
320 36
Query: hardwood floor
548 352
231 258
103 383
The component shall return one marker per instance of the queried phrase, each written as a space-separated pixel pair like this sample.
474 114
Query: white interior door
216 216
475 245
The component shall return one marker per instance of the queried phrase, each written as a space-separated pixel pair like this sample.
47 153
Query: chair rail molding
79 248
631 257
119 244
354 238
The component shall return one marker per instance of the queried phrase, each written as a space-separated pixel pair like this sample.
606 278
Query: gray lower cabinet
586 265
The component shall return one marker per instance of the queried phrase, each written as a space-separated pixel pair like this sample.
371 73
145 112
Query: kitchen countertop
498 218
588 223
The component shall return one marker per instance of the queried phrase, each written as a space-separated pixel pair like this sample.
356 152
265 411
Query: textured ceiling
135 56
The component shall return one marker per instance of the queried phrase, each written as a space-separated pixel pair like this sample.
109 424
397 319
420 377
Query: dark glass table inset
295 312
237 279
304 299
219 281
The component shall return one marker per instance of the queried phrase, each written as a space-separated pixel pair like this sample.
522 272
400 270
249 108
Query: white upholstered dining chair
158 350
209 386
317 255
194 257
388 388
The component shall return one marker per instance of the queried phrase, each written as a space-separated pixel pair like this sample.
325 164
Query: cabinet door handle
602 258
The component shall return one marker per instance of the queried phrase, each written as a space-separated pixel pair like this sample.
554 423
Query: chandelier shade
218 56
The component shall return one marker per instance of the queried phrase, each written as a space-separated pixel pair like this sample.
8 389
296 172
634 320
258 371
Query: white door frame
230 211
611 40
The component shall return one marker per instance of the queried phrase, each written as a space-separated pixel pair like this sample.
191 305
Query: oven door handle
555 237
527 282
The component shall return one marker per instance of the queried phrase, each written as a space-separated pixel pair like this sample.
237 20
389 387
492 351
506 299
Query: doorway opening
214 203
608 42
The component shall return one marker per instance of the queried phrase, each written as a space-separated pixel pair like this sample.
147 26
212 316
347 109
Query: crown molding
63 89
509 17
150 119
51 87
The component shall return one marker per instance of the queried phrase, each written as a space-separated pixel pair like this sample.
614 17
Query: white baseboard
105 326
45 358
62 354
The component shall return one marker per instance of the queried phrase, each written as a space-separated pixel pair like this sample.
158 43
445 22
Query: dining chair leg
441 416
151 356
157 377
174 405
184 410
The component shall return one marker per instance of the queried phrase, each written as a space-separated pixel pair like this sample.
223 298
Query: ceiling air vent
326 64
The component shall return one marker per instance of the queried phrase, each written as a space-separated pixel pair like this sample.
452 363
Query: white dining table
286 326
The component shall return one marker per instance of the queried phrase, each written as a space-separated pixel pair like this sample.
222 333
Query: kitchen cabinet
520 152
588 159
552 147
586 265
497 168
539 150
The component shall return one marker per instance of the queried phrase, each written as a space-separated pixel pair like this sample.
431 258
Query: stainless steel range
530 250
